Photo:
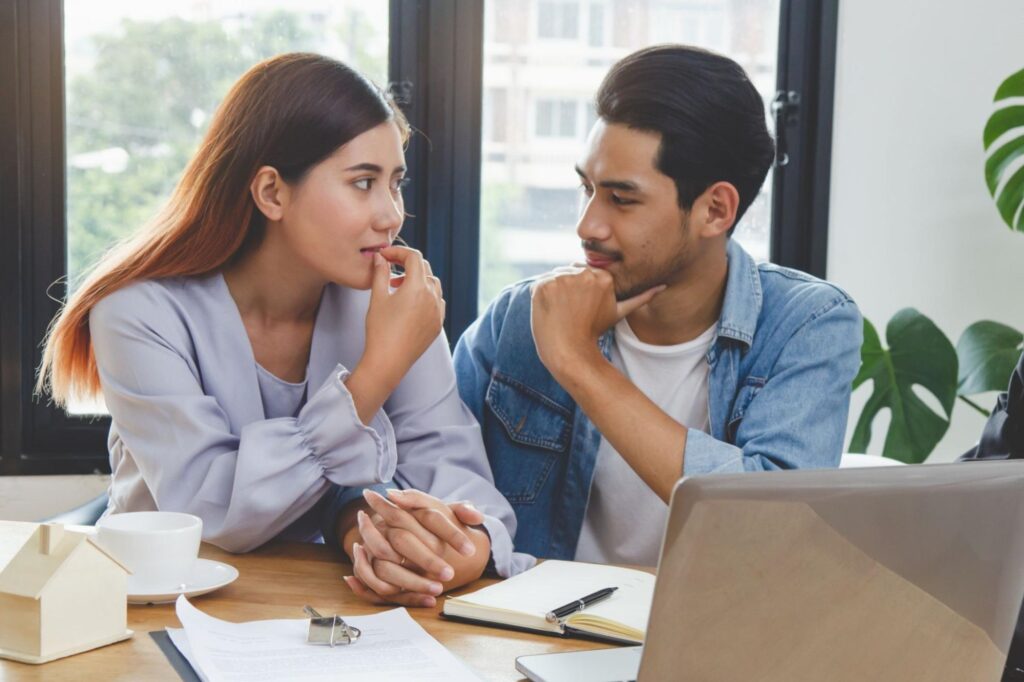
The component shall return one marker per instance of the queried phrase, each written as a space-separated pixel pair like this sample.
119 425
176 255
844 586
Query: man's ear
270 192
716 208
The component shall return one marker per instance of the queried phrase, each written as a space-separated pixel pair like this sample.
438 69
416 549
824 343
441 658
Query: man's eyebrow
374 168
622 185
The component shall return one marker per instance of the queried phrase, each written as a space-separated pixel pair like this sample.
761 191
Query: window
555 118
557 20
496 122
142 83
597 35
84 159
114 98
746 32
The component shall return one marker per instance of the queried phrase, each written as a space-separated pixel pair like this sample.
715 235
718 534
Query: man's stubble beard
663 274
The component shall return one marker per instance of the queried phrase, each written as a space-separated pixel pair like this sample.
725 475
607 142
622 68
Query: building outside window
557 20
522 234
555 118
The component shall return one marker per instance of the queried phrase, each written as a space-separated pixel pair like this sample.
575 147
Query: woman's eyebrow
374 168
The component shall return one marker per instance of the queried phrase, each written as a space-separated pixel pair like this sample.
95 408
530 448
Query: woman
252 353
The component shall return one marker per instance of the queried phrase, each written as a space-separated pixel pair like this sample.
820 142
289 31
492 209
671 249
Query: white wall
912 223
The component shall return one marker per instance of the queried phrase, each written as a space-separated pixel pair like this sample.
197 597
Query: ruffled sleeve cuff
349 452
505 561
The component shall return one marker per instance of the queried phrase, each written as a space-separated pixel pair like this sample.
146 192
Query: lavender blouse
197 426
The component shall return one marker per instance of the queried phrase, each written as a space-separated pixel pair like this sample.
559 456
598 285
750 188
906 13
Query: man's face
630 220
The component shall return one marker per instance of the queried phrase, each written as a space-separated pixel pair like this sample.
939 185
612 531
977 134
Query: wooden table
275 581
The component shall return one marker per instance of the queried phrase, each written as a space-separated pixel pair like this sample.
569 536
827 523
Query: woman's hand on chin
400 326
415 547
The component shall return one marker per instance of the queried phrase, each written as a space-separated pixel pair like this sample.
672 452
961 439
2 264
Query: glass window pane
143 80
596 25
529 200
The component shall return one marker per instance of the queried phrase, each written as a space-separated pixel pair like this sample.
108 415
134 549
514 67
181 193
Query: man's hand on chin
571 308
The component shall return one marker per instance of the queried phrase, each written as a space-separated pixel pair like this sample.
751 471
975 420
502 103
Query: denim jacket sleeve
475 352
796 415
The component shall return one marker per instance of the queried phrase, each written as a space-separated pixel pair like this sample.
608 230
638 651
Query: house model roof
29 572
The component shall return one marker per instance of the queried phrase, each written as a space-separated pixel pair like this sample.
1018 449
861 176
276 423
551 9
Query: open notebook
523 600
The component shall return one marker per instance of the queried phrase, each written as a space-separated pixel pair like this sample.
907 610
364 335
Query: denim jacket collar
742 305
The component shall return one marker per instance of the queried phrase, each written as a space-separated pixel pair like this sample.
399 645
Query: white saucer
206 576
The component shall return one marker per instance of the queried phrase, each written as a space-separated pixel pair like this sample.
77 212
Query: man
670 351
1003 438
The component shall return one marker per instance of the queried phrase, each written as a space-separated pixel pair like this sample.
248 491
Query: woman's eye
364 184
399 184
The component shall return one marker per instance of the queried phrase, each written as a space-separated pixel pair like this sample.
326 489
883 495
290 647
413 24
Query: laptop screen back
890 573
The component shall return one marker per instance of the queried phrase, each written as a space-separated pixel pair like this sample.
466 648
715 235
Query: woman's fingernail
467 549
395 492
447 573
436 588
428 602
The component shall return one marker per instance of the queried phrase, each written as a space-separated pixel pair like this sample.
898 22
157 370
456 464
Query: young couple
265 371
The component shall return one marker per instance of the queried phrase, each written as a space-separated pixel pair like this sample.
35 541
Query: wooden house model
61 594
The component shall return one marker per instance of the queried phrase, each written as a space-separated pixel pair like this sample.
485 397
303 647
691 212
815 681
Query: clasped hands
412 547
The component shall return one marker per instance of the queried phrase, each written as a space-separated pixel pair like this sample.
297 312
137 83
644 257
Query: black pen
579 604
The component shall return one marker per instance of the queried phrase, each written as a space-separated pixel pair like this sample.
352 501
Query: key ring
330 630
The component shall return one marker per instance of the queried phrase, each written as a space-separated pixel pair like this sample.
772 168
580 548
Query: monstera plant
1004 143
919 357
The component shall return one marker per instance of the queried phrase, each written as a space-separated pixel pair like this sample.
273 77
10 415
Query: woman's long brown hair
289 112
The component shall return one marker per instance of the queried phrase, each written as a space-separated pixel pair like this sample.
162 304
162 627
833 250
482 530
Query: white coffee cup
159 548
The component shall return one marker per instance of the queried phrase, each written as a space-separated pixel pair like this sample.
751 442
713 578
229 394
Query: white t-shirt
625 518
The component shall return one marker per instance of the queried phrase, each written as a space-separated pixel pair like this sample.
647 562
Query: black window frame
436 66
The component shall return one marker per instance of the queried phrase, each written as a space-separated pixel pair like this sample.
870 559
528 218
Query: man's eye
587 189
616 199
364 184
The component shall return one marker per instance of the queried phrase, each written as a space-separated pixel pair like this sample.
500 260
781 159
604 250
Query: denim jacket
786 349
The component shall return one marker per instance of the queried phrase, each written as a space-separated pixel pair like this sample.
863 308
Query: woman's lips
370 250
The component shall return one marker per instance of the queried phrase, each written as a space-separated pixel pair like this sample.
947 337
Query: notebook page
555 583
630 605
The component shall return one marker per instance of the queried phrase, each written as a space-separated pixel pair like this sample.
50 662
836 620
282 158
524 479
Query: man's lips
599 260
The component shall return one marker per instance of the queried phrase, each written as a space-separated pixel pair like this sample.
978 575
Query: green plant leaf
988 352
918 354
1004 173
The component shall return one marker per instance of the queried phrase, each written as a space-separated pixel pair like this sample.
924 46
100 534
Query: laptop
890 573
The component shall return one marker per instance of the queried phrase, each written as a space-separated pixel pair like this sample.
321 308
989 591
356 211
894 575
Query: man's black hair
710 117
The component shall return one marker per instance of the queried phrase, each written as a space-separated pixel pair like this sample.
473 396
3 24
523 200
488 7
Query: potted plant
919 353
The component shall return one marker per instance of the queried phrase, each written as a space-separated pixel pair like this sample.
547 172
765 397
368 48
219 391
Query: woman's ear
270 192
718 206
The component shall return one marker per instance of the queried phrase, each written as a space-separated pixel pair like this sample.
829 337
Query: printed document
392 647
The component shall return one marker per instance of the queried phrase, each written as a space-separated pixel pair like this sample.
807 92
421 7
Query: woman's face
347 207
